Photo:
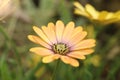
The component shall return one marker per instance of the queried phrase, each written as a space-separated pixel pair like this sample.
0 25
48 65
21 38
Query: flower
7 7
10 8
35 59
103 17
95 60
60 42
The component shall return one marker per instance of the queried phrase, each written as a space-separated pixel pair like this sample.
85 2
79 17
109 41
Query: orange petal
76 55
89 43
41 34
59 30
76 31
49 32
41 51
70 61
83 51
77 38
37 40
68 32
51 27
50 58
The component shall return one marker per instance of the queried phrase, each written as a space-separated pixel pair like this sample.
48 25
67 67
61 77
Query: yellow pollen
60 48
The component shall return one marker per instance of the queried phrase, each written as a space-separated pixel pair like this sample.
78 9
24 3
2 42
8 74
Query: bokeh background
16 20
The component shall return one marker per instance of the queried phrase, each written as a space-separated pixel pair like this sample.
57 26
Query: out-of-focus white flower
12 8
7 7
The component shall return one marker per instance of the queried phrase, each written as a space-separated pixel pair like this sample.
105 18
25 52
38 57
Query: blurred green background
17 63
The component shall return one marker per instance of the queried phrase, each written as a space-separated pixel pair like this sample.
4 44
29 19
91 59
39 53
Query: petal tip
50 24
76 65
31 50
76 3
29 37
71 23
85 33
59 22
35 27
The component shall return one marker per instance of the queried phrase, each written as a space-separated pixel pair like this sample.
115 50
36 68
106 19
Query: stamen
60 48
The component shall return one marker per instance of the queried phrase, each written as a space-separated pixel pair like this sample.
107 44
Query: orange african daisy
61 42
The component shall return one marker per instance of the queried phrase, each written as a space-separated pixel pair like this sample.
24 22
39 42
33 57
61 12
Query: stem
55 70
4 33
12 26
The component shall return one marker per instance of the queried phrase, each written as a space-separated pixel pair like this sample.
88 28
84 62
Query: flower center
60 48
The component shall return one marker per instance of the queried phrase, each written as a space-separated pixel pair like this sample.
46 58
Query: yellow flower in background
103 17
35 59
61 42
95 60
33 62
